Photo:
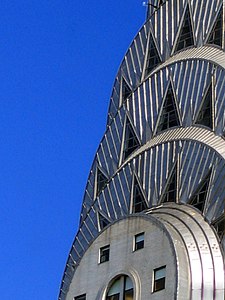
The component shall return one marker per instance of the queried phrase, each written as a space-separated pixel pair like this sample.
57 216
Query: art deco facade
152 219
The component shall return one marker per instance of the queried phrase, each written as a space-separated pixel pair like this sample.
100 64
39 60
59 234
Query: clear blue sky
58 63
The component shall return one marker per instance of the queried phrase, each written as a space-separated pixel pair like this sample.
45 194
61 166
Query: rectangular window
104 254
139 241
159 279
81 297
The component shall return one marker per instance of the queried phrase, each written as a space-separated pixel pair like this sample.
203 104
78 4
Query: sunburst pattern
155 162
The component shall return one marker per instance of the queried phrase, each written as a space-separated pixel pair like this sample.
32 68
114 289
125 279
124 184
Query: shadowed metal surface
192 148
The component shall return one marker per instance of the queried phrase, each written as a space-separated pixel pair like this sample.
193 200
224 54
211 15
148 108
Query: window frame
182 40
123 289
161 280
138 245
104 253
80 297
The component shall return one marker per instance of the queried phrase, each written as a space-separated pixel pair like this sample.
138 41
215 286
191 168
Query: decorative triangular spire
103 222
204 116
170 193
153 58
139 203
199 197
131 142
125 90
169 115
186 34
216 35
101 181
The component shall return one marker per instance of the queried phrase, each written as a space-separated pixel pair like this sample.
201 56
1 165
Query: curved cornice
164 26
194 133
209 53
201 244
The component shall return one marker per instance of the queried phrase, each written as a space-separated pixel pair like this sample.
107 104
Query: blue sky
58 63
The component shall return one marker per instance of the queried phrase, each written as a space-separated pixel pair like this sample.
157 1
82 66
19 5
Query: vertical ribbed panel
194 155
190 80
164 25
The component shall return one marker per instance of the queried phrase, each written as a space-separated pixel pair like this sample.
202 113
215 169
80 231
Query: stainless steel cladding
162 160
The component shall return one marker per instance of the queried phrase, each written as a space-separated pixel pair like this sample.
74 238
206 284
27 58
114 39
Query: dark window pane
139 245
186 35
159 284
199 197
217 31
113 297
81 297
101 181
121 289
139 203
169 116
126 91
159 279
139 241
170 194
131 142
103 221
128 295
104 254
153 58
205 113
220 227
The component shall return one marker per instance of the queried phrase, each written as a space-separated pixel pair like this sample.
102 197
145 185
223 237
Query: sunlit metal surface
202 247
192 148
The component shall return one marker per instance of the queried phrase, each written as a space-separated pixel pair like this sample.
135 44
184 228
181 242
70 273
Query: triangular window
170 194
139 203
169 116
126 90
219 225
205 114
101 181
217 31
103 222
131 142
153 58
186 34
199 198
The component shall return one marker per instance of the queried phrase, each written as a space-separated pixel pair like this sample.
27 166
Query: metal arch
202 247
153 176
211 54
117 123
144 107
115 134
205 59
71 267
193 133
203 19
105 197
185 226
190 135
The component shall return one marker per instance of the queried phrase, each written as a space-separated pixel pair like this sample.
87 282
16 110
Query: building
152 219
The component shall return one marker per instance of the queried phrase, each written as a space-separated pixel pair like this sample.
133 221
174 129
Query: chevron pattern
138 95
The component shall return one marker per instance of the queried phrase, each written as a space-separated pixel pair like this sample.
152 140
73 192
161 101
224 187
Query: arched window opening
121 289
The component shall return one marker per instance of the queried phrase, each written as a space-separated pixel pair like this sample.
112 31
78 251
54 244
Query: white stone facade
93 278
